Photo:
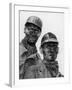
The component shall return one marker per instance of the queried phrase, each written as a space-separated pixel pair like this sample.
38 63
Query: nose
32 33
51 49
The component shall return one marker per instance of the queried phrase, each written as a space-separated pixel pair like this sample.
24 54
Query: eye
30 29
40 71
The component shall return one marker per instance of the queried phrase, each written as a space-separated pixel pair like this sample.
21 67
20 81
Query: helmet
35 20
49 37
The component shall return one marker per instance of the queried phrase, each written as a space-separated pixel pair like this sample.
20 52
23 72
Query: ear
41 51
39 34
26 31
57 50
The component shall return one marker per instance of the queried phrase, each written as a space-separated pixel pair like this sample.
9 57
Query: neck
32 44
26 42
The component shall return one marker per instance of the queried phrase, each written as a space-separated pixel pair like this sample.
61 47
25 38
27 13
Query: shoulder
22 53
36 57
33 64
22 49
60 75
36 70
29 62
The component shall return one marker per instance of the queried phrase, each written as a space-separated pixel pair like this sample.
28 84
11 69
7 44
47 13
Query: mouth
50 55
32 39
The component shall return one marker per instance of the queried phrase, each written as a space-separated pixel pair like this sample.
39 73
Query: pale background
52 22
4 43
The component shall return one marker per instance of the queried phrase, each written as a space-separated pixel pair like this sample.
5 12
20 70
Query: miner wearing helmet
49 48
27 47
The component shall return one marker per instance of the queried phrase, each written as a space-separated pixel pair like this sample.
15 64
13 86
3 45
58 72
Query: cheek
39 34
46 52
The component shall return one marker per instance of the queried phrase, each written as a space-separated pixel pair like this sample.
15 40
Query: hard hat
49 37
35 20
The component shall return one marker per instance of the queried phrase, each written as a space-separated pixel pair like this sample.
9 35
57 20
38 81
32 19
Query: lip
50 54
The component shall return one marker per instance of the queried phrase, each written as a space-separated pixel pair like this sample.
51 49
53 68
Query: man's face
32 34
50 51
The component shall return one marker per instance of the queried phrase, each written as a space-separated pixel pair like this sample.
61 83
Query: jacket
25 52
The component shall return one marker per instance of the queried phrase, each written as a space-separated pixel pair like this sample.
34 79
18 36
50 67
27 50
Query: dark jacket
25 52
52 69
34 69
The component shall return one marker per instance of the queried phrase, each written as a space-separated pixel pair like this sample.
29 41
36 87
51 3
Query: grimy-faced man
49 48
27 47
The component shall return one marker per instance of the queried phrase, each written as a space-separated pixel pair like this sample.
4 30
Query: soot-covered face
50 51
32 33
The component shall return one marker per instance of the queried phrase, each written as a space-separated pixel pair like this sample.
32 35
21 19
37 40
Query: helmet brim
48 42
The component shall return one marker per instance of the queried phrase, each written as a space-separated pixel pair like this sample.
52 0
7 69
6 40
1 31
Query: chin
33 41
50 58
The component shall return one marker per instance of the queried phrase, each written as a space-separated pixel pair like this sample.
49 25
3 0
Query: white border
15 47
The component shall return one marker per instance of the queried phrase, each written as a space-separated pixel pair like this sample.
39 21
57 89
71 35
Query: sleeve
22 58
22 54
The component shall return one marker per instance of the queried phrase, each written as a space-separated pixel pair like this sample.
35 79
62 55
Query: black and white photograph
41 44
39 54
36 44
